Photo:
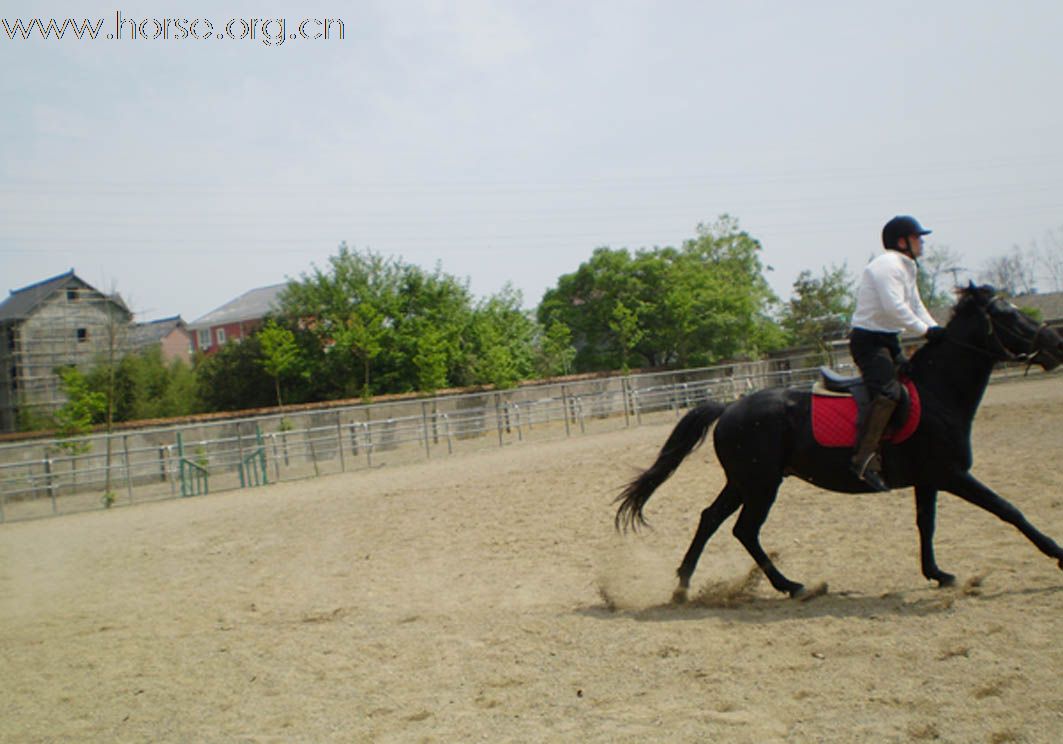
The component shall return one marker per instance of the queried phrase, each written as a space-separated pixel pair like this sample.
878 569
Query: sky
504 141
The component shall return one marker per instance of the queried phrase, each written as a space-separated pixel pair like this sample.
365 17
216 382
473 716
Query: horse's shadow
921 602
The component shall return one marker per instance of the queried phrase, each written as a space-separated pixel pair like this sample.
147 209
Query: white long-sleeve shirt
888 300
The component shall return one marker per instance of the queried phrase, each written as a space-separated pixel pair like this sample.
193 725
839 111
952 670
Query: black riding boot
866 464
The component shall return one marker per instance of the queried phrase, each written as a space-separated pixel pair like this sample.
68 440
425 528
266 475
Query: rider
887 303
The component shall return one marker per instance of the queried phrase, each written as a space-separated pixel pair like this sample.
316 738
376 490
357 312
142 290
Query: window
83 335
221 337
71 295
203 338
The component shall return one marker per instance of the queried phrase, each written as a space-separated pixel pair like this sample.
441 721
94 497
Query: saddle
840 402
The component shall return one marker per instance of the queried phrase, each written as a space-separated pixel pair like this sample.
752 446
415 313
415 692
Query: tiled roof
251 305
1050 304
21 303
154 331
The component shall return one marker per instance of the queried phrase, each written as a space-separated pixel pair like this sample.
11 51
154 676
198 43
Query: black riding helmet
901 227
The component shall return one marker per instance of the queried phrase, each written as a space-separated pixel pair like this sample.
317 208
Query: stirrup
870 476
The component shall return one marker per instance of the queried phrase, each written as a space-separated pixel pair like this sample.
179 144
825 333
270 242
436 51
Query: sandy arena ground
486 597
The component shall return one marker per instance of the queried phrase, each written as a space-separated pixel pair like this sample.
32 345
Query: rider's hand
935 334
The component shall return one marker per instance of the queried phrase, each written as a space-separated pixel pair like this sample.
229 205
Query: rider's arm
894 289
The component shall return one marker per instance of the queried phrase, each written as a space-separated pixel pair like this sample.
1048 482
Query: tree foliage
705 301
820 307
84 407
554 351
376 324
143 385
500 341
233 378
280 354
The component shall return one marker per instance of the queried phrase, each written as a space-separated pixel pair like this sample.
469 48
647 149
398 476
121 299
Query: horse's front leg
926 501
969 488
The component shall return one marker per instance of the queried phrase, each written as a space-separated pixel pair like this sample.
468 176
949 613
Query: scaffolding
73 324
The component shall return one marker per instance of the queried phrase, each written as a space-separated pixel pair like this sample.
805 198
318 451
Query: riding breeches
877 355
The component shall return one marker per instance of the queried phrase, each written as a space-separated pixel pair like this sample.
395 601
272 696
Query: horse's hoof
945 580
804 593
679 596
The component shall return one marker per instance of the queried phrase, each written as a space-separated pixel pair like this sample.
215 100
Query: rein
1001 353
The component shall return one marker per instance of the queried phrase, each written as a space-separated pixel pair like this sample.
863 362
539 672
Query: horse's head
994 326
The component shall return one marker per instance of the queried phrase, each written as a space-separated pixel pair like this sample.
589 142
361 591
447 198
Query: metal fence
50 477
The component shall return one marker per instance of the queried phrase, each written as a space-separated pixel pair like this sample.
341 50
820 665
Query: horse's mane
968 298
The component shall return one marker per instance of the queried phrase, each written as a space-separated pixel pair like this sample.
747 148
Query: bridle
998 351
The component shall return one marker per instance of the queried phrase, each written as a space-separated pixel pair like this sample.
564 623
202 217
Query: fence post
240 453
424 424
368 445
624 400
169 475
128 473
181 461
498 416
162 463
516 418
260 448
276 460
564 406
339 442
49 485
310 441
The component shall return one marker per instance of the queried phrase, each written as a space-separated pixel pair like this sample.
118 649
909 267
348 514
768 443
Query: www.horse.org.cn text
268 31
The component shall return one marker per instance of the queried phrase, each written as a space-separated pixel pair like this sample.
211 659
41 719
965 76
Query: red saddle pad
834 419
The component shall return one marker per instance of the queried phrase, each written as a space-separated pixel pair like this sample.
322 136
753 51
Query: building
235 320
58 322
170 334
1049 305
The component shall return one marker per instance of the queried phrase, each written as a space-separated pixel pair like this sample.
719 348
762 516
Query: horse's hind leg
711 518
747 530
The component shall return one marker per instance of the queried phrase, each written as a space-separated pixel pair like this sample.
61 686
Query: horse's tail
688 434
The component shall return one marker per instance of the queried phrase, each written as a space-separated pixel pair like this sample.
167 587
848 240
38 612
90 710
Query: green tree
554 350
705 301
233 379
500 340
431 360
625 324
820 307
145 386
362 333
280 354
379 325
84 407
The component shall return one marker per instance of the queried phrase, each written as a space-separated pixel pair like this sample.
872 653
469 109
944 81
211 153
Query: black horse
767 435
